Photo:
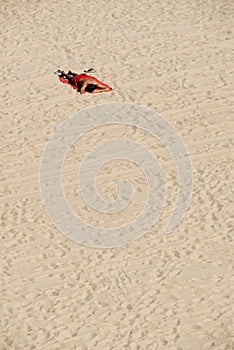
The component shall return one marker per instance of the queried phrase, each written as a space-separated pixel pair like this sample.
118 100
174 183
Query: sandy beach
163 291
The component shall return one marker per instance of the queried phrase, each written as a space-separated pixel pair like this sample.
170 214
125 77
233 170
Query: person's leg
90 88
99 87
84 83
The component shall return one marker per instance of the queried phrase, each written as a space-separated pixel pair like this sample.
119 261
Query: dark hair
90 88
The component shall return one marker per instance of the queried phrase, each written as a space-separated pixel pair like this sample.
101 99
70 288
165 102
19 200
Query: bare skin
100 88
85 82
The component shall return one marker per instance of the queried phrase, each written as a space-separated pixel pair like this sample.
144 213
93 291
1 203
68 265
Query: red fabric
63 80
75 80
72 82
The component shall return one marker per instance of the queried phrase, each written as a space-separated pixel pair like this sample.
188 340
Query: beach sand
161 292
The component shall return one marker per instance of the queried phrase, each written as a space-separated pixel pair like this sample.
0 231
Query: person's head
90 88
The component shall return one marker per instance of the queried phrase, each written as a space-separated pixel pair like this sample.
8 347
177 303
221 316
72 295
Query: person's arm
101 89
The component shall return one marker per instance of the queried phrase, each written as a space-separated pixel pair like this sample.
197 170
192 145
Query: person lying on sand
83 83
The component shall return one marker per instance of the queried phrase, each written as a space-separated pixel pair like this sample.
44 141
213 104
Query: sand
164 292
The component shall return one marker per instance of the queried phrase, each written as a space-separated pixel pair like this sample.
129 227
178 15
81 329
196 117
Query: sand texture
161 292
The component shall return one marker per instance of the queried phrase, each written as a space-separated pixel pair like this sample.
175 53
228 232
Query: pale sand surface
165 292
